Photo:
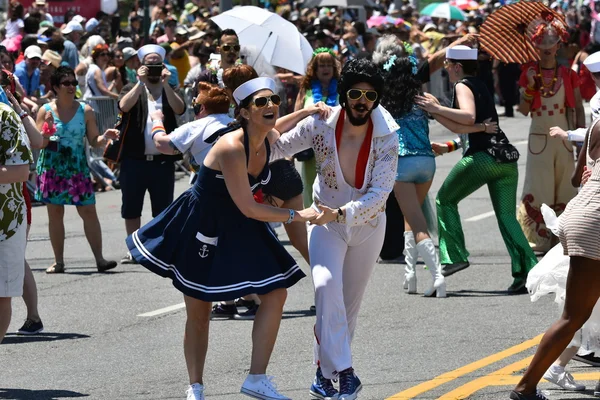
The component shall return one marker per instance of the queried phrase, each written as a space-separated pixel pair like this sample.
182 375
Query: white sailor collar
383 122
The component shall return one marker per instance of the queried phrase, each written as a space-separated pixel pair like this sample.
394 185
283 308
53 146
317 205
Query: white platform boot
426 250
410 258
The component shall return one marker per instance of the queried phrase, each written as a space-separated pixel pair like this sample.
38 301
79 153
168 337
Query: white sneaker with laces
262 387
195 392
562 378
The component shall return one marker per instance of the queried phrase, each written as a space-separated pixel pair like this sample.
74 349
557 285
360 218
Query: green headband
322 50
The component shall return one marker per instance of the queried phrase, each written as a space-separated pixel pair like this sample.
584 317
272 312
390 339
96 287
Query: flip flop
56 268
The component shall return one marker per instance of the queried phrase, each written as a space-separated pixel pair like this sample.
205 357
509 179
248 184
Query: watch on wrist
341 218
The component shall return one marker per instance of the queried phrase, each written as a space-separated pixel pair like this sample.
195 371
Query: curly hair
356 71
313 67
233 77
214 99
387 46
401 87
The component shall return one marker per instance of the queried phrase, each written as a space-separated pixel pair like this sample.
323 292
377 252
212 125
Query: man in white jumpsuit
356 151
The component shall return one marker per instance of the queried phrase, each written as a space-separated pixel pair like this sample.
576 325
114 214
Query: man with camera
143 167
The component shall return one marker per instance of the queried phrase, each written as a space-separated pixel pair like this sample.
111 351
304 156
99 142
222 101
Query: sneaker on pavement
247 315
534 396
128 259
31 327
240 302
262 387
589 359
350 385
562 378
323 388
221 310
195 392
597 390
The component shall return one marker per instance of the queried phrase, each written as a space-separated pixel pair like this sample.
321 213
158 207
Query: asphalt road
96 344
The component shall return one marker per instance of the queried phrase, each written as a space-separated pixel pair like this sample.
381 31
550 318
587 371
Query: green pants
468 175
308 171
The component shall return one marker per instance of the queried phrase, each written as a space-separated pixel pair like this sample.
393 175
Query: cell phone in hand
154 70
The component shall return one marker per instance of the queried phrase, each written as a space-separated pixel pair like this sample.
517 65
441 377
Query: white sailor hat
592 62
461 53
253 86
149 49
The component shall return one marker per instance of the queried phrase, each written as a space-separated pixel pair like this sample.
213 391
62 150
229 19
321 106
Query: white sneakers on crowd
262 387
557 375
195 392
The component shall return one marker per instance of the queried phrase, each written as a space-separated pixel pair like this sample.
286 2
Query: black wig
358 71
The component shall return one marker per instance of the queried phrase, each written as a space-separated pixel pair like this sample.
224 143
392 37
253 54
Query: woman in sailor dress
214 242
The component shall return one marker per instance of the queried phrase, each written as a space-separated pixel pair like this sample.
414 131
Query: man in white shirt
356 150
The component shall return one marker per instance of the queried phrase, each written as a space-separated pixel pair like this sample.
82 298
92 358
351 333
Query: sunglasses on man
356 94
227 48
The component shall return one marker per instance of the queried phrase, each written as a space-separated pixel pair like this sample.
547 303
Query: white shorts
12 263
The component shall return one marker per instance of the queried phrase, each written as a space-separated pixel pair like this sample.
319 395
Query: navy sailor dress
209 249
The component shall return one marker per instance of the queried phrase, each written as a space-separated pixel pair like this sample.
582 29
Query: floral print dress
62 168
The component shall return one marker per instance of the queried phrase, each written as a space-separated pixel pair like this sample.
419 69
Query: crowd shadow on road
13 338
26 394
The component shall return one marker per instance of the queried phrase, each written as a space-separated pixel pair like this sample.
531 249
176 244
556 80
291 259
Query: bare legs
297 232
195 339
56 227
583 290
264 333
93 232
132 225
265 329
5 315
91 227
410 197
30 296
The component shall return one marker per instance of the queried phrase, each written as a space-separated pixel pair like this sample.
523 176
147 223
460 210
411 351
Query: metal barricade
106 111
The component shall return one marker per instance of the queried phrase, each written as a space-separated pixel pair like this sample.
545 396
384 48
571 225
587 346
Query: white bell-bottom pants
342 259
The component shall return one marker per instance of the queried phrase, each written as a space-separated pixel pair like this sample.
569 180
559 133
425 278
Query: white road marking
163 310
480 216
520 142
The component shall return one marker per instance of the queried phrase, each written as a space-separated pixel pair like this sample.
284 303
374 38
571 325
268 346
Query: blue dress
210 250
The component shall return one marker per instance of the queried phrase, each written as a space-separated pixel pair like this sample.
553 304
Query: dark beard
357 121
154 79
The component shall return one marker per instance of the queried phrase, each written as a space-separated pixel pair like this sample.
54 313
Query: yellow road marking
493 379
467 369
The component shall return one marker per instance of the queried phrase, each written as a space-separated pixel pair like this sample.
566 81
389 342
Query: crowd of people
357 122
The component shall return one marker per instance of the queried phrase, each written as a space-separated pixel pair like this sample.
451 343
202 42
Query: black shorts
137 176
285 182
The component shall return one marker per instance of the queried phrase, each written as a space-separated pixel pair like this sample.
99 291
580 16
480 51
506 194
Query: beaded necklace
547 90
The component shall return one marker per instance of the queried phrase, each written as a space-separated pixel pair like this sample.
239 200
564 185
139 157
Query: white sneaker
562 378
195 392
262 387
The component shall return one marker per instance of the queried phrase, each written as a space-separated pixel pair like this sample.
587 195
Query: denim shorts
415 169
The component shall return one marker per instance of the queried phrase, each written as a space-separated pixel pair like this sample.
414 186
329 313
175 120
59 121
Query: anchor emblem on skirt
204 252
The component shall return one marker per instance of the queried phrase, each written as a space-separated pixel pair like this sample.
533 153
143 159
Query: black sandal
56 268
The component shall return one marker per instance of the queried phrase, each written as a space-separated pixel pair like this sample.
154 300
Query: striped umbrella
443 10
504 33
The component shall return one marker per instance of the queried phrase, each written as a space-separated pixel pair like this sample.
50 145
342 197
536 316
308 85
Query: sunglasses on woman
227 48
356 94
73 83
262 101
